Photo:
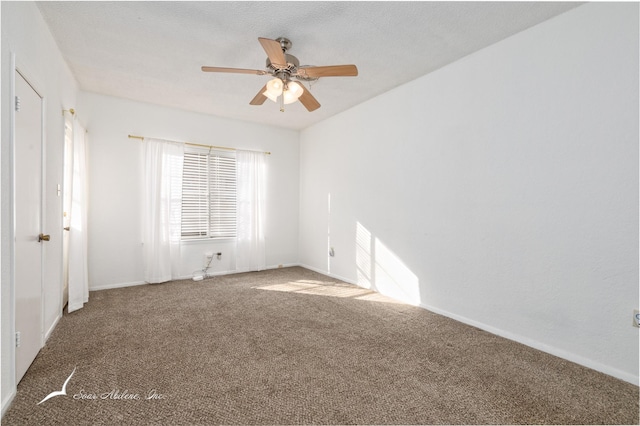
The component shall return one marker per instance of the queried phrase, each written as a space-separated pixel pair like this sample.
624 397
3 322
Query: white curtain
78 272
162 209
250 196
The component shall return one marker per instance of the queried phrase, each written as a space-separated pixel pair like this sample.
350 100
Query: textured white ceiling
152 51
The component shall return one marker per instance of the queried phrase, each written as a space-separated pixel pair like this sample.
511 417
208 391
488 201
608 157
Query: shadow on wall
380 269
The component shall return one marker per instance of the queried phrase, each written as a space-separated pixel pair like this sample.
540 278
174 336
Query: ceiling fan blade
259 98
274 51
329 71
233 70
307 99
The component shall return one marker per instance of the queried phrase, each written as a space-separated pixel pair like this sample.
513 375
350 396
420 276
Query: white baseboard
594 365
7 400
116 285
329 274
186 277
211 274
283 265
585 362
48 333
569 356
218 273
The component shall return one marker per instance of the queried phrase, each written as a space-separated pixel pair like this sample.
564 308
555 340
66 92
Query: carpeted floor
291 346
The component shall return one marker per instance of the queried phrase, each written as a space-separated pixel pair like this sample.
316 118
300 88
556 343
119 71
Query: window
208 195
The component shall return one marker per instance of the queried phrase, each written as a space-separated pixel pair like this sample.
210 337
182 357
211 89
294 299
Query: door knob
44 237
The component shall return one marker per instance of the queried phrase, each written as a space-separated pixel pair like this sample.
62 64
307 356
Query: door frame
23 70
67 186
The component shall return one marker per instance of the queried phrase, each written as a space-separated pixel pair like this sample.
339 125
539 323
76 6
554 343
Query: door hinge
18 103
18 342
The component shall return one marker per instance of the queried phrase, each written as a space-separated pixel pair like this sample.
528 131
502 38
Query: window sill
208 240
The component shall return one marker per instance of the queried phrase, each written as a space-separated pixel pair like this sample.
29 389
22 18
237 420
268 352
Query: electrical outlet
636 318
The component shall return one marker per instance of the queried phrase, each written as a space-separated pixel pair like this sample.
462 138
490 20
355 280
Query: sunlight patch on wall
393 278
379 268
363 256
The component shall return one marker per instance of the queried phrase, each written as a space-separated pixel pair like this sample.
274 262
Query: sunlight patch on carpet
318 288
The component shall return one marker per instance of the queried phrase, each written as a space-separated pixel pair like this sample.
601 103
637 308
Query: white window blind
208 195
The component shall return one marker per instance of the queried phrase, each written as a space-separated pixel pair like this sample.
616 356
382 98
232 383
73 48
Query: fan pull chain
282 102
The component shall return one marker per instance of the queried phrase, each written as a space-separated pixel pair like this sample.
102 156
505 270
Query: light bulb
274 87
292 93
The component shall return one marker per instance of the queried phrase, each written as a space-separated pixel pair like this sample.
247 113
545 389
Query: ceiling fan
283 67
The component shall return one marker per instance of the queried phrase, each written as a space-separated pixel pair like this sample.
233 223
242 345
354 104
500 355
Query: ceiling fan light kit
283 66
291 93
274 89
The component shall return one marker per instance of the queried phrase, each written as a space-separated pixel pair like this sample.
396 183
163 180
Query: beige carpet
290 346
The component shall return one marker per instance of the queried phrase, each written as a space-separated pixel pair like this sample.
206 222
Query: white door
28 224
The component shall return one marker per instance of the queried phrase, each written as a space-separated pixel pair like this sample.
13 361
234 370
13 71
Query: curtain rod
200 145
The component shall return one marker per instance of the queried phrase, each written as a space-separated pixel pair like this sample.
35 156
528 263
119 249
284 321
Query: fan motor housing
292 64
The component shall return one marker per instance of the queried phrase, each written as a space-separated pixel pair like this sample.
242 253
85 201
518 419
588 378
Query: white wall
115 181
501 190
25 34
